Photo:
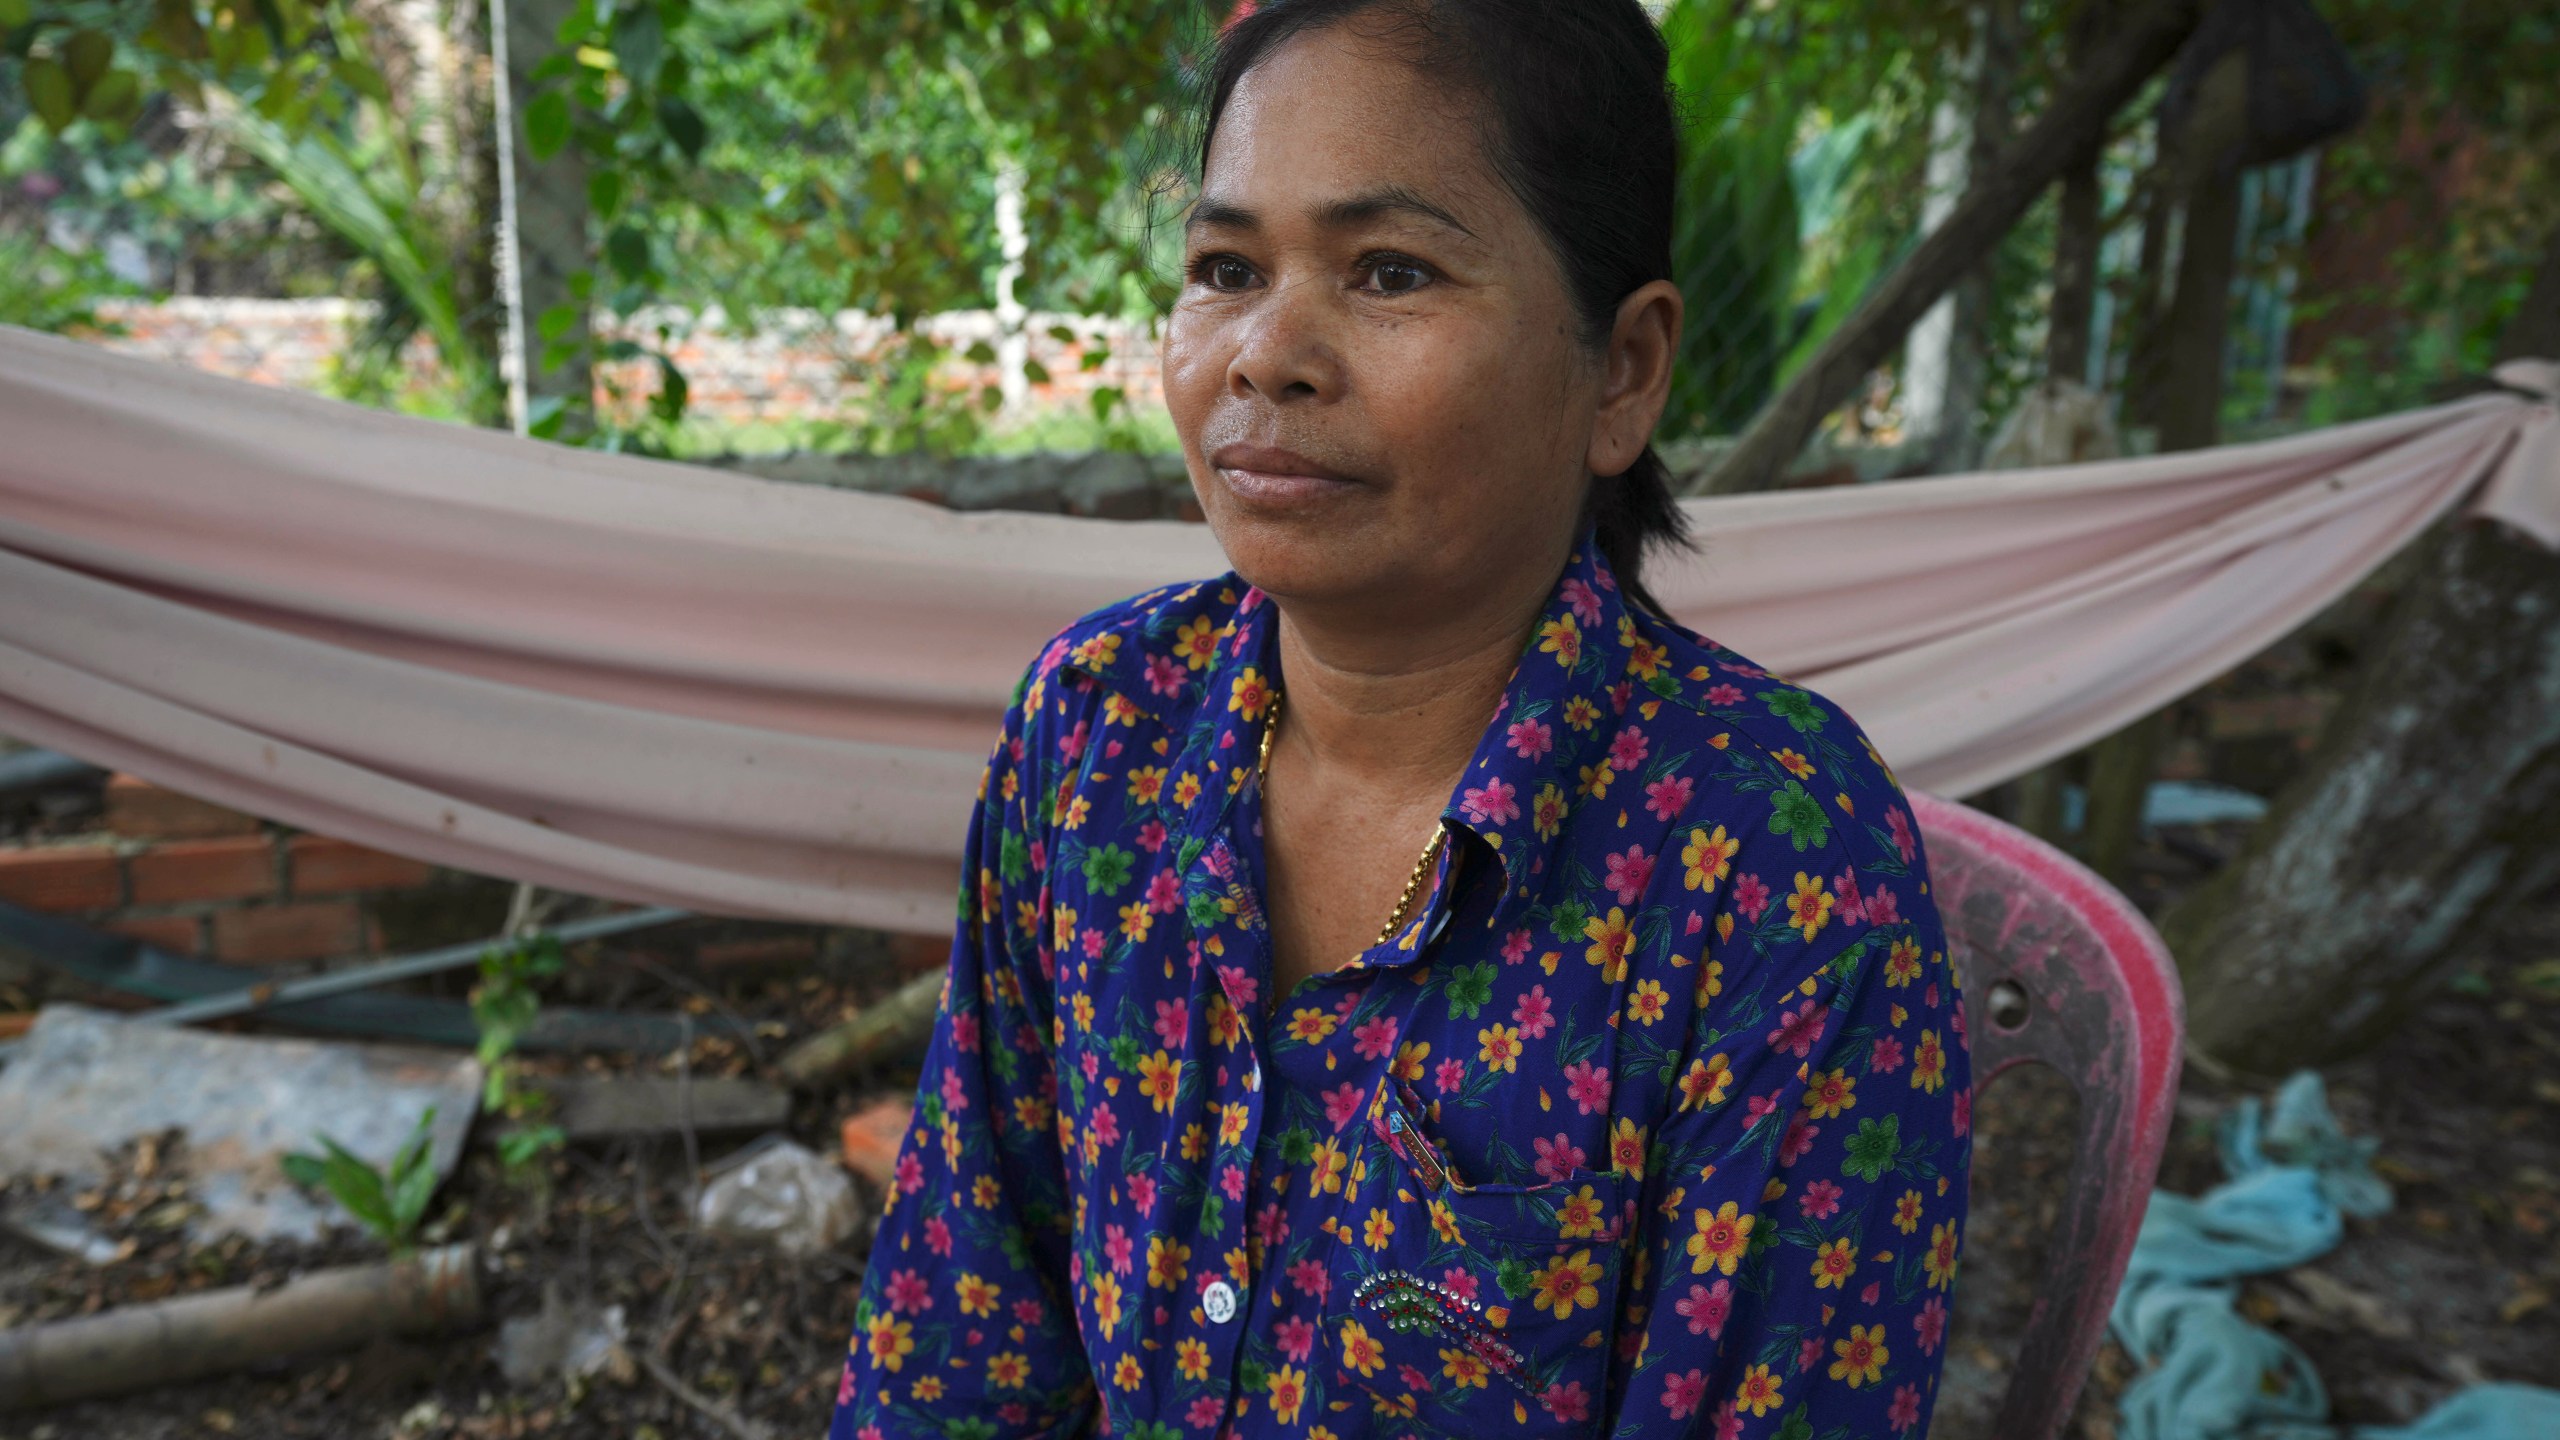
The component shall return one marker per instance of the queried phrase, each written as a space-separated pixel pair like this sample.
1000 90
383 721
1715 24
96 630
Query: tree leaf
684 126
49 93
546 124
14 13
87 55
115 100
604 193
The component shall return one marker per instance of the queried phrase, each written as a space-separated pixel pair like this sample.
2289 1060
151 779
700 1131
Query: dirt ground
727 1340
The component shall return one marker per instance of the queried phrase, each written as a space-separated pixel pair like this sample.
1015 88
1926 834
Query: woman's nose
1286 351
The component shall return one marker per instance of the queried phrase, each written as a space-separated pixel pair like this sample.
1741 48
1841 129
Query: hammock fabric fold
677 686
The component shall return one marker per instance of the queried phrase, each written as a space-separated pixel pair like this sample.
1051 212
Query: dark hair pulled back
1583 131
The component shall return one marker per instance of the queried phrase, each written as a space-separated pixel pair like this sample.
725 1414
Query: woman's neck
1396 710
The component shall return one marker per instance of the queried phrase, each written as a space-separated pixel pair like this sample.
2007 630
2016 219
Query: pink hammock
665 684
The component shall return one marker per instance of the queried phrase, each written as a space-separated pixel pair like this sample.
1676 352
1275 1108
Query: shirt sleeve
963 1329
1794 1257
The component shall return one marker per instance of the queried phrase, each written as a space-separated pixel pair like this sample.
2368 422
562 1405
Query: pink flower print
1151 838
1750 897
1530 739
1808 1352
1820 1200
1706 1308
1886 1057
1668 796
1342 1102
1231 1180
1163 676
937 1231
1105 1124
953 1096
909 1293
1297 1337
1963 1124
1848 911
1629 874
1567 1402
1586 606
1459 1281
844 1393
1800 1133
1723 695
1535 1014
1073 745
1271 1226
1496 804
1204 1412
1092 944
1117 1244
964 1033
1683 1393
1164 891
1557 1158
1799 1028
1028 1311
1882 908
1515 947
1374 1038
1900 824
1588 1084
1760 1107
1310 1279
1628 749
1173 1022
1931 1323
1906 1409
910 1174
1449 1074
1142 1193
1728 1424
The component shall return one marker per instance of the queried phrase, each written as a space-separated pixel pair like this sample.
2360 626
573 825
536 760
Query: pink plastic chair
2060 969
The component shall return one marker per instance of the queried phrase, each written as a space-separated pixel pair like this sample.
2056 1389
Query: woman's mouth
1269 475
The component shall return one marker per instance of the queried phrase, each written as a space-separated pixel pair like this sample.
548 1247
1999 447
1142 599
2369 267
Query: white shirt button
1219 1302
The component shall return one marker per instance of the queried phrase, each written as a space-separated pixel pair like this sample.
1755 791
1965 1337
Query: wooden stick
138 1347
896 1028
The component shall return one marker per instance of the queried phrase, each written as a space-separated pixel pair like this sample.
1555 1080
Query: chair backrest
2060 969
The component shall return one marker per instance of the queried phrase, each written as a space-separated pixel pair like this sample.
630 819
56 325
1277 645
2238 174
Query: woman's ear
1636 376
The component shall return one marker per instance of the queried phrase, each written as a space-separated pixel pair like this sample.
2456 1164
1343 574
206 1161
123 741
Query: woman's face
1374 366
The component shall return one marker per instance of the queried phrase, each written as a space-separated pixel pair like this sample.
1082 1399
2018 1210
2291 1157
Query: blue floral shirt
1652 1122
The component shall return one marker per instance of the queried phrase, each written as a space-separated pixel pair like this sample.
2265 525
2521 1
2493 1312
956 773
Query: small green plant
388 1203
504 1005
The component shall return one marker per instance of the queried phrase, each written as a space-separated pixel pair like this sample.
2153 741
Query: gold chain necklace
1421 867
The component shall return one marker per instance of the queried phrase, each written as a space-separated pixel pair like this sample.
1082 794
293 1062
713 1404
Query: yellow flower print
1197 643
1829 1093
1906 1212
1722 1237
1834 1263
1146 783
1128 1374
1499 1047
1928 1063
1809 909
1612 938
1191 1358
1759 1392
1410 1058
1311 1026
891 1340
1645 1003
1186 790
1595 780
1324 1173
1940 1262
1710 978
1580 1217
1097 652
1796 764
1902 963
1644 658
1136 919
1288 1392
1463 1368
1580 713
977 1295
1120 710
1862 1356
1249 694
1706 1083
1063 930
1709 858
1231 1118
1106 1302
1360 1350
1377 1230
1566 1282
1168 1260
1546 813
1007 1370
1626 1149
1562 638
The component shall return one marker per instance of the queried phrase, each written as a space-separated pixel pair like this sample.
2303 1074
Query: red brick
181 933
322 866
66 877
242 867
919 954
871 1137
138 808
298 930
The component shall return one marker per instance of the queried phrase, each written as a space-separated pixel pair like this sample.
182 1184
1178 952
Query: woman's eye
1398 277
1222 272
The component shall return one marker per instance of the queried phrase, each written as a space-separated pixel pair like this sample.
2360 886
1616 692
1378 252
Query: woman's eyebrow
1348 213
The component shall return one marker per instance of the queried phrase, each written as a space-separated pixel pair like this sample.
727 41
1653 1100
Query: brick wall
192 877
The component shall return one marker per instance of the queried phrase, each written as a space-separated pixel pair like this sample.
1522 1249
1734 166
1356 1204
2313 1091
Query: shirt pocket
1459 1307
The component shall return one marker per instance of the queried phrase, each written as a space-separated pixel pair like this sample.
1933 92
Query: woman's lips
1268 475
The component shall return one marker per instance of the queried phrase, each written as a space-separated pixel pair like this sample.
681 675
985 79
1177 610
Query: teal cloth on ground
2211 1374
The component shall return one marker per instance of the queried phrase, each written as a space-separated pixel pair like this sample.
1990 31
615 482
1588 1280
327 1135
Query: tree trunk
2431 807
551 237
2084 103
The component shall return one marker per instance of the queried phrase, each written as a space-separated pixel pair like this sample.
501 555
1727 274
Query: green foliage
43 288
504 1006
388 1203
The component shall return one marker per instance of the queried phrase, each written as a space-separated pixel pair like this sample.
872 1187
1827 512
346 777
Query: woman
1407 985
